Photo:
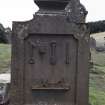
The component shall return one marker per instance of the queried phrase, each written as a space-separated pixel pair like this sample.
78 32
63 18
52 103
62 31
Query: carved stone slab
50 56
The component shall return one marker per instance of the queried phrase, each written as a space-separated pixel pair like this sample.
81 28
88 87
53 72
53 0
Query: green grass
5 57
97 79
98 58
97 97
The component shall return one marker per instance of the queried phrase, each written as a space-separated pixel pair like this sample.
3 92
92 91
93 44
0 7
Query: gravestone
50 56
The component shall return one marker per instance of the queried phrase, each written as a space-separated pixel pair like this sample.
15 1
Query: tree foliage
3 34
96 27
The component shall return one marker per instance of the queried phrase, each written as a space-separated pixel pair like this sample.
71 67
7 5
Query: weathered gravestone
50 56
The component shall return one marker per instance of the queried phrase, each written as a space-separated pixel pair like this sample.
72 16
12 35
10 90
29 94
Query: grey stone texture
50 56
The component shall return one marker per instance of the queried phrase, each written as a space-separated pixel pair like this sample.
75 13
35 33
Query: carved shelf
50 88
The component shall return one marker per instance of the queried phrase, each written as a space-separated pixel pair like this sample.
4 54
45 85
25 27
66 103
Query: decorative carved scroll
67 53
53 53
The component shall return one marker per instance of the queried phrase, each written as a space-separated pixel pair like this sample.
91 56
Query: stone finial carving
73 9
76 12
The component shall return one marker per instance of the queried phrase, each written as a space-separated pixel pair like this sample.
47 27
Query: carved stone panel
50 56
50 64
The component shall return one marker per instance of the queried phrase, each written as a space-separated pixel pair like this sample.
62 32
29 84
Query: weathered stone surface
50 56
52 4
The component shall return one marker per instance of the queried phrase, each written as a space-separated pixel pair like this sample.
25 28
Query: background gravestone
50 56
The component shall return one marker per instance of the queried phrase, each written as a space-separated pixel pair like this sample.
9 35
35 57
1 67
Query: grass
97 97
5 55
97 73
97 79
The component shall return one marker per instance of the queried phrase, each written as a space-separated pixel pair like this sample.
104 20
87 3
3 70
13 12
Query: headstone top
72 9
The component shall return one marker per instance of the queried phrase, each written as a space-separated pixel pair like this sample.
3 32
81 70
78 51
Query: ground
97 79
5 57
97 73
